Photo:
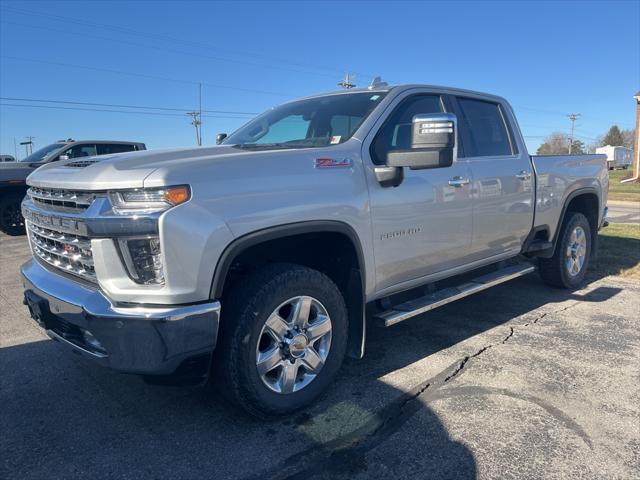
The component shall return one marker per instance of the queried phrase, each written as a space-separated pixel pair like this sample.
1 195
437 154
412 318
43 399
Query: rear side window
106 148
483 129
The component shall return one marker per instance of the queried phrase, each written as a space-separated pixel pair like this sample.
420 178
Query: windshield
41 154
315 122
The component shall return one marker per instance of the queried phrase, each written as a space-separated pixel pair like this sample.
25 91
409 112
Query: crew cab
13 175
260 262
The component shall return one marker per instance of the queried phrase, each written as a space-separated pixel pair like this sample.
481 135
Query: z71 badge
333 163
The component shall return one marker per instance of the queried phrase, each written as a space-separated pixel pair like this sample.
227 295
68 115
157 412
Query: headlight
148 200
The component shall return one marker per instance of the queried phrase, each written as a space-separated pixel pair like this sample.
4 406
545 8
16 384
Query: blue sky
548 58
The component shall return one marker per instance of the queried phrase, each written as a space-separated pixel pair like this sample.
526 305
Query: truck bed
558 177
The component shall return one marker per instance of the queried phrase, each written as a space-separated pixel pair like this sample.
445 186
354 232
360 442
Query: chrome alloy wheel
576 251
293 344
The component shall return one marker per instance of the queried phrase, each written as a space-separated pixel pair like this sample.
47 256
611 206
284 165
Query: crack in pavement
345 455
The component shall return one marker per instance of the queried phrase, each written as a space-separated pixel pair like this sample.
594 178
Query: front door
424 225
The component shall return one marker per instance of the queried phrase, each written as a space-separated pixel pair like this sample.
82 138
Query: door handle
523 175
458 181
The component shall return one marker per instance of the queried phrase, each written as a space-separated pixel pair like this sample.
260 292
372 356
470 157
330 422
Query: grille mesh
70 253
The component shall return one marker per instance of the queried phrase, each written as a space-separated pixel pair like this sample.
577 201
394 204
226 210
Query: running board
439 298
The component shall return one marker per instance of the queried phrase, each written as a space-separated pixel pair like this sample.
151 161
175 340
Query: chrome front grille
70 253
60 200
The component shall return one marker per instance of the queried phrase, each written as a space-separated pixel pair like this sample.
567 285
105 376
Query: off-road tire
554 271
246 310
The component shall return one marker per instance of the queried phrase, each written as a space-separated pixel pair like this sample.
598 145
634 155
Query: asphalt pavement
520 381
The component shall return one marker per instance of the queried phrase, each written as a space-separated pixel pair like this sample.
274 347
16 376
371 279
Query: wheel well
333 253
587 204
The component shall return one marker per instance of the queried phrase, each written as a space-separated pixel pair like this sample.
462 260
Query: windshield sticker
335 139
374 98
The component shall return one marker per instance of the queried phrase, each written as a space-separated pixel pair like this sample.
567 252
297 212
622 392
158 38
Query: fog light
92 341
142 257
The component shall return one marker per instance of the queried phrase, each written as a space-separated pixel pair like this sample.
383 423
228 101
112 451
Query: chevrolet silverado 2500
260 261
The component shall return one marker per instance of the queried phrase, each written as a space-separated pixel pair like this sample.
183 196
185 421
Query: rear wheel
11 221
283 339
568 266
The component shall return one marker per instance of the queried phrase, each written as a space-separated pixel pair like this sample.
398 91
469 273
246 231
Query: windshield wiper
255 146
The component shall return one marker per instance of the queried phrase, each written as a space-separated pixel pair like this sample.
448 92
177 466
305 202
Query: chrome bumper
132 339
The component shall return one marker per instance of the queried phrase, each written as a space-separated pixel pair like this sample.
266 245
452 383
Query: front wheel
11 221
283 339
568 265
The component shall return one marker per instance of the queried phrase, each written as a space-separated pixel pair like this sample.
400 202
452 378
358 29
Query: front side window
80 151
483 129
314 122
395 134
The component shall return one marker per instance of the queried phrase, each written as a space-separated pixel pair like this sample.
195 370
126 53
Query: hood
131 169
122 170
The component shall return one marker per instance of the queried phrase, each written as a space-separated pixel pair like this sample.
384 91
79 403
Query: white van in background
617 157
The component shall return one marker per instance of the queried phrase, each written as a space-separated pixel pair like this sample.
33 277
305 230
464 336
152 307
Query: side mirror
63 157
220 138
433 141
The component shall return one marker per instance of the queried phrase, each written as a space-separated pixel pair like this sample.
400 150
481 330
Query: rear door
423 226
503 181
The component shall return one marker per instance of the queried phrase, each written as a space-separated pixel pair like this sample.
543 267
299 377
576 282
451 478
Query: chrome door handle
523 175
458 181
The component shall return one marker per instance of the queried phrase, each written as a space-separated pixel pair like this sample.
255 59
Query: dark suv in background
13 174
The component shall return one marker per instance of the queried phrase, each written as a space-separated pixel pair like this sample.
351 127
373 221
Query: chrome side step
437 299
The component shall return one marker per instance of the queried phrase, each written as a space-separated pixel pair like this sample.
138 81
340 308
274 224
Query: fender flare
567 201
356 287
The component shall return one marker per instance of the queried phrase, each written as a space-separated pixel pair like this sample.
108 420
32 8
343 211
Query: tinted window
344 126
80 151
106 148
395 134
483 129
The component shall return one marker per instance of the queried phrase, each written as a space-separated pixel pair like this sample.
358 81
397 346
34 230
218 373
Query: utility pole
28 145
15 148
347 81
573 117
195 121
200 112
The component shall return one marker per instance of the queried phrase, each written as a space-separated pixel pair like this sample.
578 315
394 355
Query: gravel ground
520 381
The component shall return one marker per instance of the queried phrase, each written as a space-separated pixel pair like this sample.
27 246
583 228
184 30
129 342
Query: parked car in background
617 157
14 174
7 158
262 259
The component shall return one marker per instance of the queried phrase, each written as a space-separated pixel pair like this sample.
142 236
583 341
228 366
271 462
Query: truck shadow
66 418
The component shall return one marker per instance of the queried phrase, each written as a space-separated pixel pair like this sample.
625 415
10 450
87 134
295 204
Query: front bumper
131 339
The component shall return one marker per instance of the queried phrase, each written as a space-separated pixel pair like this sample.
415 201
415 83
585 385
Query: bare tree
628 137
558 144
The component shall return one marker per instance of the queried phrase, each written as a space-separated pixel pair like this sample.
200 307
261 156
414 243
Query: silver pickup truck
260 261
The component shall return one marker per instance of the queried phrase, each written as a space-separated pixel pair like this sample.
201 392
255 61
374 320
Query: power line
145 75
162 49
173 40
2 104
70 102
